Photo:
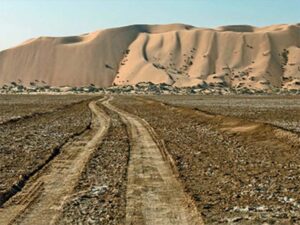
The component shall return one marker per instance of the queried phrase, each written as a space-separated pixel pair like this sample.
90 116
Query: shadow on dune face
237 28
71 40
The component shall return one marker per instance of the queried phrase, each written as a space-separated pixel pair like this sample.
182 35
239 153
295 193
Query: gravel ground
241 178
283 111
100 196
26 144
17 106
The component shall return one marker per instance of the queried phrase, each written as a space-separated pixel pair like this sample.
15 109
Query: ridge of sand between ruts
40 201
154 196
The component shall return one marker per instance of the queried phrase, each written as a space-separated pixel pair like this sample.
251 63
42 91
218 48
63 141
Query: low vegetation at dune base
144 88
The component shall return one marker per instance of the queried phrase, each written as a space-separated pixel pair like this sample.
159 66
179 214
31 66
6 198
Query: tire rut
154 195
100 195
41 200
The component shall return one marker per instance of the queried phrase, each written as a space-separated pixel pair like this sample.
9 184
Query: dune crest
181 55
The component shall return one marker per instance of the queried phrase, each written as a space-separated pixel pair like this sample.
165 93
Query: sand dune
177 54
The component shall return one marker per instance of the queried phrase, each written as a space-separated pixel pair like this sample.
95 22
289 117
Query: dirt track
41 199
167 170
154 196
29 143
149 193
237 171
100 195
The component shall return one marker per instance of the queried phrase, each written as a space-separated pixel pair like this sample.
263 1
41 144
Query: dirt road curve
154 196
41 199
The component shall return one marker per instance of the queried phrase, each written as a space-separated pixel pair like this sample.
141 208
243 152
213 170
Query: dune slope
176 54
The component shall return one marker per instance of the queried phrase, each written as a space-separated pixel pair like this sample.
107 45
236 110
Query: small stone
237 219
99 190
207 206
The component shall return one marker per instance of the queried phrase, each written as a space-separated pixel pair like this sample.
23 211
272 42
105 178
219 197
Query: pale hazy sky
24 19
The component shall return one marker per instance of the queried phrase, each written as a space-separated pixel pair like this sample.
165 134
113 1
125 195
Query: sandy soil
236 171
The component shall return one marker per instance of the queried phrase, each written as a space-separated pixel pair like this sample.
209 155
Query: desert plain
121 159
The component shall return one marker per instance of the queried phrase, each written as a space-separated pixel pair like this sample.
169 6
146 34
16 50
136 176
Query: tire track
154 195
237 171
100 195
43 197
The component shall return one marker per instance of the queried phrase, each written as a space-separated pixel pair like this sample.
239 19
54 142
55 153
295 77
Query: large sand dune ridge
176 54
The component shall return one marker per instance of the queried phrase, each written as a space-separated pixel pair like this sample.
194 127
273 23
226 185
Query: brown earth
167 164
236 171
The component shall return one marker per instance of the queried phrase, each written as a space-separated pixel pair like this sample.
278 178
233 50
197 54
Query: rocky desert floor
14 107
32 132
282 111
71 159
